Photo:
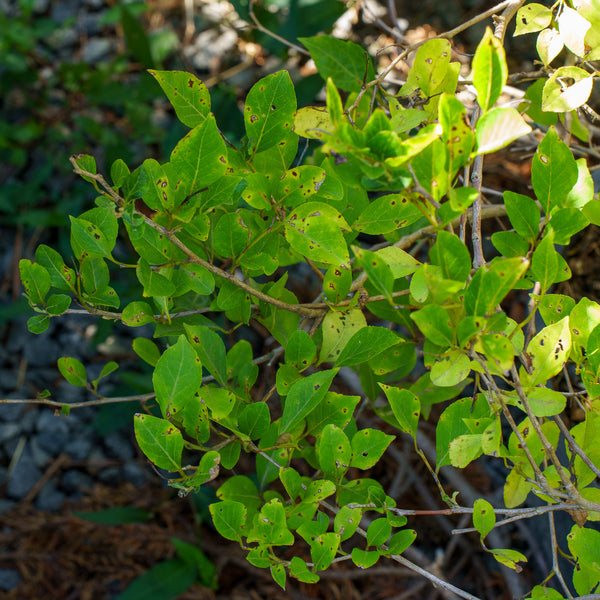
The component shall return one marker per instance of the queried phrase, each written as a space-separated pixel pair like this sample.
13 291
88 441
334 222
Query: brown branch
170 235
55 404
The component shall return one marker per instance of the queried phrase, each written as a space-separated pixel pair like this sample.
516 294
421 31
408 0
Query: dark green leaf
348 65
366 344
164 581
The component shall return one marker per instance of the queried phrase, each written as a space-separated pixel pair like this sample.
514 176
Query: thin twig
555 565
268 32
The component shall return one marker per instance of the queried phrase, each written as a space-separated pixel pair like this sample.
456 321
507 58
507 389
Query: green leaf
333 452
345 62
313 122
229 518
545 402
231 235
544 263
386 214
338 328
61 276
405 406
242 489
457 133
451 255
323 550
451 424
364 558
146 350
86 163
304 396
553 307
532 18
509 558
429 72
516 489
465 449
554 171
524 214
299 570
187 94
220 401
270 527
269 111
400 262
566 222
164 581
87 239
401 541
73 371
177 377
160 441
136 314
336 284
366 344
279 575
38 323
119 172
498 128
484 517
346 522
57 304
36 280
378 272
210 349
378 532
334 409
491 283
567 89
200 158
315 230
299 184
154 283
509 243
368 445
117 515
489 70
548 352
453 368
254 420
435 324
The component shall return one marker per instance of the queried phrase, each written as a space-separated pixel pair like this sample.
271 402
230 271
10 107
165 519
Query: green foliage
224 226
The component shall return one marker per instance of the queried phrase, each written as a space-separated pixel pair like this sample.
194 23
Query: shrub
377 205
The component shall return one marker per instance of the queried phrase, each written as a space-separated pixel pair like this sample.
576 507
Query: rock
24 475
12 412
135 473
78 448
40 456
9 579
40 352
29 420
118 446
75 481
6 505
64 9
96 49
50 442
40 6
50 497
47 422
8 431
110 475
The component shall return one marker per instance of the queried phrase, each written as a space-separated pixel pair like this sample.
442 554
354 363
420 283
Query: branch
55 404
170 235
491 211
447 35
